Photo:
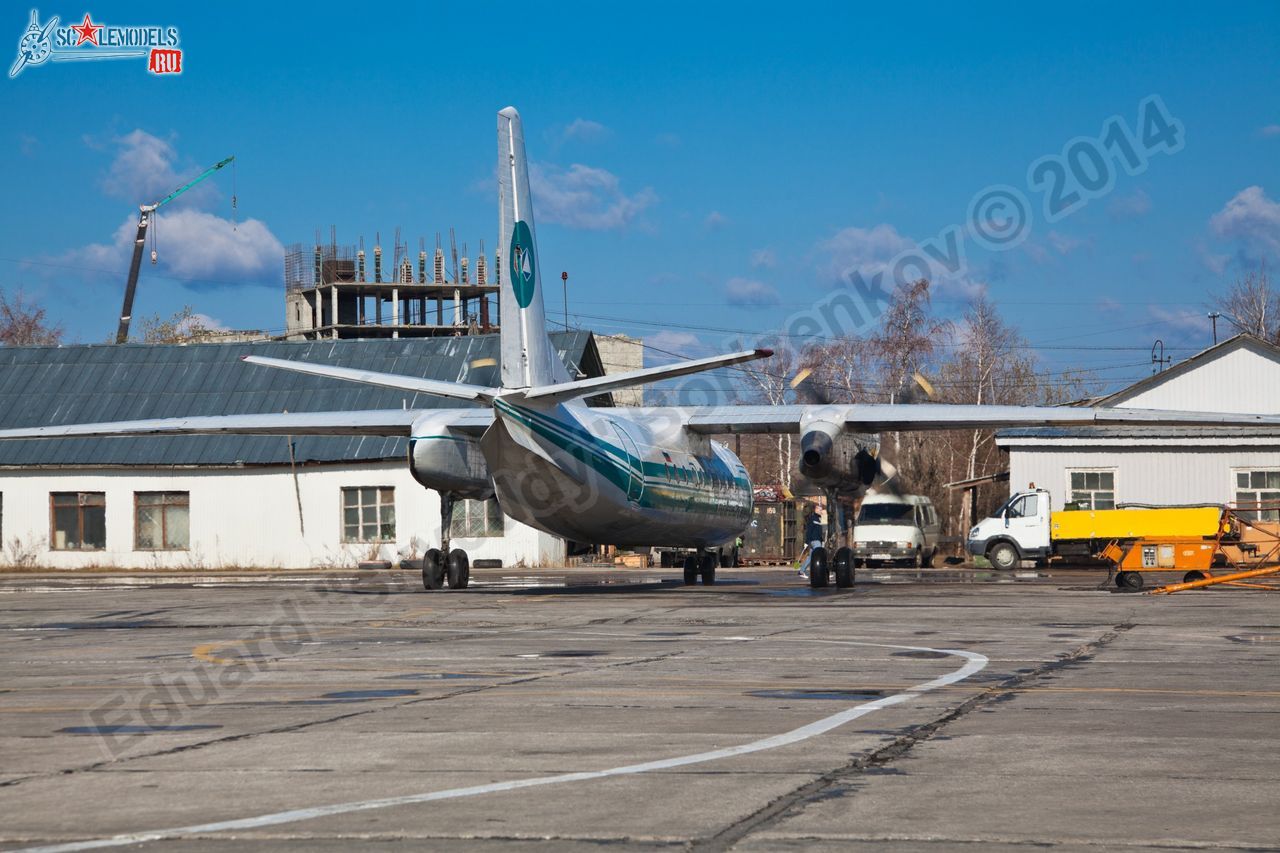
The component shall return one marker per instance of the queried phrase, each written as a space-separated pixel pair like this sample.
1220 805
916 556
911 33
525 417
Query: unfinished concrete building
334 291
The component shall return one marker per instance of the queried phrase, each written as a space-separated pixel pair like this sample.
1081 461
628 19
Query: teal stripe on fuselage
603 458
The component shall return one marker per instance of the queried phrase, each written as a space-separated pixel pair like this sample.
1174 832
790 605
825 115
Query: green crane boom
146 212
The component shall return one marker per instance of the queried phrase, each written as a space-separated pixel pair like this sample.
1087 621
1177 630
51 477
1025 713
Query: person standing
812 537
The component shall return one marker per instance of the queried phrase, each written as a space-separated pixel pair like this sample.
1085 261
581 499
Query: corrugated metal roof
1188 364
1138 432
84 384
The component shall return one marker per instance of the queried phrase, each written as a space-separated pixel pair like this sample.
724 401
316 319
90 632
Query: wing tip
763 352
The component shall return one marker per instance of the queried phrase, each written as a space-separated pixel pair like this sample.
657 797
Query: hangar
1100 467
192 502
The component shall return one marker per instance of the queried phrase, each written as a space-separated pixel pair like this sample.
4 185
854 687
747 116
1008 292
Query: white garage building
229 501
1101 467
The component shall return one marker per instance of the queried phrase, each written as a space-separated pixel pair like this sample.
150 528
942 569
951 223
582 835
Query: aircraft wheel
459 569
433 569
819 570
1129 581
843 564
709 562
690 569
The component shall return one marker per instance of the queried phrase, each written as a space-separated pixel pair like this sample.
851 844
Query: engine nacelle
834 458
448 460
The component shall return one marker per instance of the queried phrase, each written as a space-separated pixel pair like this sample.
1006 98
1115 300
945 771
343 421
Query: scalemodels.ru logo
89 41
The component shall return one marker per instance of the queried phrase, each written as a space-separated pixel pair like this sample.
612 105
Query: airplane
630 476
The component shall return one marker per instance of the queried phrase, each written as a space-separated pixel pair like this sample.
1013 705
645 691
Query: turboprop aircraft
627 476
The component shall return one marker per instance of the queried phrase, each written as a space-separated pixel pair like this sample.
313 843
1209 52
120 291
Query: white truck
1028 528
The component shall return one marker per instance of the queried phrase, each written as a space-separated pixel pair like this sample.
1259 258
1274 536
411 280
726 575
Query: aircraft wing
870 418
388 422
456 390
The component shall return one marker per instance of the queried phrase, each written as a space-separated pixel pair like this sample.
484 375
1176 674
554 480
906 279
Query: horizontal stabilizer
387 422
456 390
604 384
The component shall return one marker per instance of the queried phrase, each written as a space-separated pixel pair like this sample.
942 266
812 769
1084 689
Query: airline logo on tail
522 264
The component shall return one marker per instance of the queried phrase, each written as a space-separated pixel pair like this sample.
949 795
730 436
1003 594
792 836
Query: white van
899 529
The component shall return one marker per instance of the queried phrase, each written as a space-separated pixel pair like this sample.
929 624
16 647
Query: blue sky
701 168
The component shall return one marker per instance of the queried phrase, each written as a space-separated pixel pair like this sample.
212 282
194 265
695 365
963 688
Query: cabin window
476 519
1092 489
78 521
1257 494
369 514
1027 507
161 521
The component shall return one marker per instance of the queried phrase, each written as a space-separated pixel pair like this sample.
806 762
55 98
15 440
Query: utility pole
564 281
1214 315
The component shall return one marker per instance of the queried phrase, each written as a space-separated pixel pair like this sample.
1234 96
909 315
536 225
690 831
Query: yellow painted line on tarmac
205 653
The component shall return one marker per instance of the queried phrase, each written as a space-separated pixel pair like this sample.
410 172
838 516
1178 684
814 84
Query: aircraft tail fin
528 359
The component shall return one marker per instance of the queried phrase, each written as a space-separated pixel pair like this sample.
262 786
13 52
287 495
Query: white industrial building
1100 467
237 501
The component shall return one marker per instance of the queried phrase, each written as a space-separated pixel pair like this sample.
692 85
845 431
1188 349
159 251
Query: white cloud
863 250
1196 322
746 291
1214 262
1064 244
764 259
673 341
585 130
715 219
142 170
1038 253
1250 219
194 245
585 197
870 251
1131 206
1270 130
204 321
667 346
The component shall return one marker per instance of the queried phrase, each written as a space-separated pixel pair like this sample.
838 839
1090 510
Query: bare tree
908 336
770 381
183 327
23 322
1252 306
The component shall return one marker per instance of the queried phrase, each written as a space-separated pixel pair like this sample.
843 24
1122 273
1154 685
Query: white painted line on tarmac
974 663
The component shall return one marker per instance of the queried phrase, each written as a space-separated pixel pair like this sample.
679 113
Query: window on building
78 521
476 519
1093 489
161 521
369 514
1258 494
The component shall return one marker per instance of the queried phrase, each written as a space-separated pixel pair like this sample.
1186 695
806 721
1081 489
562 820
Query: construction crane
146 214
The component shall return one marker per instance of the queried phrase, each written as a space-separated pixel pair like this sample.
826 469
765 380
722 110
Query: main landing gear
443 563
822 567
701 564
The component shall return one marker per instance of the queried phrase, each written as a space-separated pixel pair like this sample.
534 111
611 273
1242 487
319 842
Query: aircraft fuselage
591 477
